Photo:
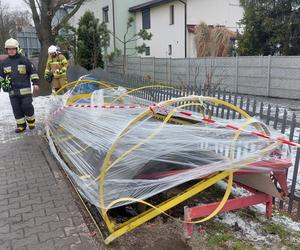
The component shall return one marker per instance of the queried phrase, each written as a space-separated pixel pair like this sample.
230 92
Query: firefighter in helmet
56 68
16 75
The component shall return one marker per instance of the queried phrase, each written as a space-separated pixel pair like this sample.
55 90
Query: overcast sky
15 4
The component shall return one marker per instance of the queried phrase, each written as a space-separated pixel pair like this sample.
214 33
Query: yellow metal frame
118 230
151 213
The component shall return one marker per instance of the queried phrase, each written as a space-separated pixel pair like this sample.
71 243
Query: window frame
171 14
146 19
170 50
147 51
105 16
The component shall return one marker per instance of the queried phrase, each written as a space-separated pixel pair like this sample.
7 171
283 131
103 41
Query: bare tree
125 41
11 22
21 19
4 25
43 12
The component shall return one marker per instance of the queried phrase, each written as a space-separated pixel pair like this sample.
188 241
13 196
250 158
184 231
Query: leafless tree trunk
43 12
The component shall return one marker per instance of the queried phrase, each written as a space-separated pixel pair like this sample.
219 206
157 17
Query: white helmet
11 44
52 49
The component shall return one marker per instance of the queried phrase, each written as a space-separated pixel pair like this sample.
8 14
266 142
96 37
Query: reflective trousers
22 106
57 83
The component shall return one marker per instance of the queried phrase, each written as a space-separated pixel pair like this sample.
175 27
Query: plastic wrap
115 145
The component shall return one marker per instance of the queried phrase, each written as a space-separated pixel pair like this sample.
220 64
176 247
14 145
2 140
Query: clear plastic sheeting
115 145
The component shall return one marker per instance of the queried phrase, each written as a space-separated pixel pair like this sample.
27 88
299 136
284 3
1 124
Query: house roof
149 4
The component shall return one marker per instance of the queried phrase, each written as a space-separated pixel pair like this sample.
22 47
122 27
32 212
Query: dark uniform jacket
20 70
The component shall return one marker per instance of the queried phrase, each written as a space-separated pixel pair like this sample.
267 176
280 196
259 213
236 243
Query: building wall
165 34
92 5
222 12
192 52
121 16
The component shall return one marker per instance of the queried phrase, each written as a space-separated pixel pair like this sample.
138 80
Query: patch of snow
286 221
7 120
251 230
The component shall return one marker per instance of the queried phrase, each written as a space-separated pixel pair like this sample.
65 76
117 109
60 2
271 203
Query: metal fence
279 119
272 76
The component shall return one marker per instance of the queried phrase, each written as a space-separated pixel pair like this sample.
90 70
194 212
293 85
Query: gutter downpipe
185 27
114 23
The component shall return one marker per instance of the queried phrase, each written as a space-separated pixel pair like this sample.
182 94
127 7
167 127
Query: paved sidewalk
37 209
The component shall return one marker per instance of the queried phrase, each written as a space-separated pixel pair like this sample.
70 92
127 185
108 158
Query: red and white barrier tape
103 107
91 106
206 120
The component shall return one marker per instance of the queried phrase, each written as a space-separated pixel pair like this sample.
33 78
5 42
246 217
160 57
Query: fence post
154 69
140 66
126 64
188 72
269 76
236 74
167 74
170 70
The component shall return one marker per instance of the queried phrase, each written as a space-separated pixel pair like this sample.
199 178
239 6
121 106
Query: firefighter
16 75
56 68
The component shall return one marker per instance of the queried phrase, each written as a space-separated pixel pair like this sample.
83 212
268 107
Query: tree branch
132 38
35 15
116 36
59 4
67 17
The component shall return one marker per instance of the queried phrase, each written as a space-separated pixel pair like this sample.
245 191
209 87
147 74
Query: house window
147 51
171 14
146 19
105 14
170 50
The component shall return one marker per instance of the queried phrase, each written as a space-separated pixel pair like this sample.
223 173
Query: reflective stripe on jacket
20 71
57 65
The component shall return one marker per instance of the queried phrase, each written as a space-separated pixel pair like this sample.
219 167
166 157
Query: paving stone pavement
37 208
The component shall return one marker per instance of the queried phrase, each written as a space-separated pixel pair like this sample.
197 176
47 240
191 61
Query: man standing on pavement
16 75
56 68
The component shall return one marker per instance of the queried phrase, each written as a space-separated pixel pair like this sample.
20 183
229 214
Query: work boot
30 122
31 126
20 128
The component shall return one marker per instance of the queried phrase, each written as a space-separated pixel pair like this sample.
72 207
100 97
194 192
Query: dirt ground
239 230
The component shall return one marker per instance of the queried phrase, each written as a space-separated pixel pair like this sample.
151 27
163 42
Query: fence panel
276 76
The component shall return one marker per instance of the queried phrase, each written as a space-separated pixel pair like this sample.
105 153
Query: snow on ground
7 120
260 209
250 229
286 221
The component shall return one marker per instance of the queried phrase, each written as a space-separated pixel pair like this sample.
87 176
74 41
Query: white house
172 23
166 21
115 14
